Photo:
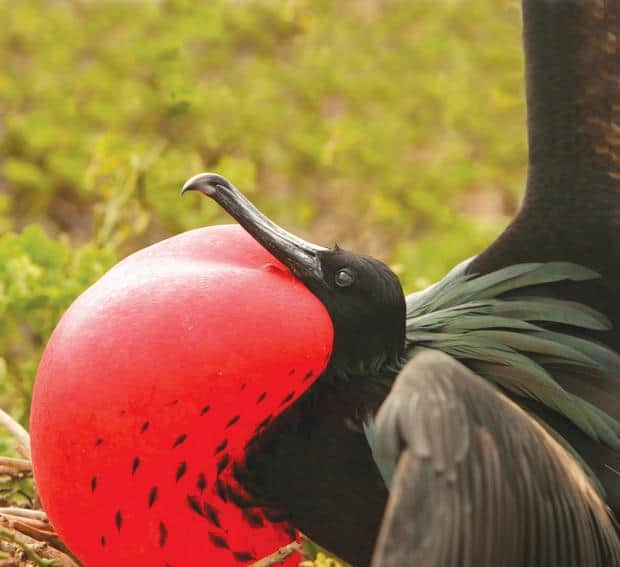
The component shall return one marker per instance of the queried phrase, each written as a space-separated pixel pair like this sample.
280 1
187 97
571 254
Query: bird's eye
345 277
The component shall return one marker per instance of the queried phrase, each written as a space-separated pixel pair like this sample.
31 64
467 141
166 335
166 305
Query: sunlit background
395 128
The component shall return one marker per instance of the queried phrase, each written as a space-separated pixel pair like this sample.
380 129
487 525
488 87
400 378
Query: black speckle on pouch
163 534
205 410
93 484
118 520
99 442
201 483
308 375
194 505
287 398
213 515
179 440
102 540
232 421
135 465
291 372
145 426
220 487
152 496
243 556
221 447
253 518
261 397
218 541
181 470
223 463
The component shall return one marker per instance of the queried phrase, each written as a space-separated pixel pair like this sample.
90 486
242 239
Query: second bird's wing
478 481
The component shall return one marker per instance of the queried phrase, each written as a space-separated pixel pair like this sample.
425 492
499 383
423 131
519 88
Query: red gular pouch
150 389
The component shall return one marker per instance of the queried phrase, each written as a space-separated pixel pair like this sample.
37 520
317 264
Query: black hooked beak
298 255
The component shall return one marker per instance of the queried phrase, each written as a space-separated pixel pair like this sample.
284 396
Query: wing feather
479 482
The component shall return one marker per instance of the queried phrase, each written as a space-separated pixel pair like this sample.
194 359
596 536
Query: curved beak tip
299 256
205 183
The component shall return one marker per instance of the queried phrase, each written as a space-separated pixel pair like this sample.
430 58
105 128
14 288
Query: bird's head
363 297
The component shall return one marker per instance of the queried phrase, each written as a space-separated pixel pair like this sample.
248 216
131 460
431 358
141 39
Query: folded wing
478 481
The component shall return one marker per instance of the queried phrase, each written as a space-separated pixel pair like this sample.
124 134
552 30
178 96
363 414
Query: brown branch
40 534
38 553
22 436
279 556
18 465
23 513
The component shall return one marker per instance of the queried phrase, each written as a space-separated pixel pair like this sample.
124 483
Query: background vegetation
394 127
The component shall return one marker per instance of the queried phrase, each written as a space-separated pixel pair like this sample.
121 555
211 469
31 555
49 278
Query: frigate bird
225 383
181 365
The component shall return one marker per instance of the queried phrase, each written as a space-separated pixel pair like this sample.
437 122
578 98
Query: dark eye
345 277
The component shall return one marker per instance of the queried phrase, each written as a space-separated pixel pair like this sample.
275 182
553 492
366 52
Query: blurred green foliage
315 556
392 127
39 277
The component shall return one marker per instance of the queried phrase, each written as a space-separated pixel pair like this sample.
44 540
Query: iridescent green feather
501 333
491 324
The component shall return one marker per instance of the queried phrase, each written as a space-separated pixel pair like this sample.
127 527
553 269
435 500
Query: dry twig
24 513
18 465
279 556
22 436
37 553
